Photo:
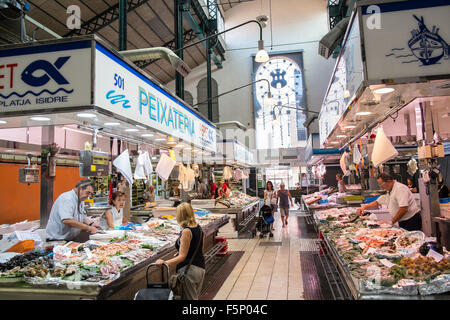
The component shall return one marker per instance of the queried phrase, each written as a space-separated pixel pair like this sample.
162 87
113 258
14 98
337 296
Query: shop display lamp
363 113
39 118
86 115
383 90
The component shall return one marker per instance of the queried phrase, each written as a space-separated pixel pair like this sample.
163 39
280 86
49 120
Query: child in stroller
264 222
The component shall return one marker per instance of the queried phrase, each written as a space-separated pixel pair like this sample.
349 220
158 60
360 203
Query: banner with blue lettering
124 91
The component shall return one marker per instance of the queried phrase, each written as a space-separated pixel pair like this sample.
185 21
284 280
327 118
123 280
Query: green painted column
122 25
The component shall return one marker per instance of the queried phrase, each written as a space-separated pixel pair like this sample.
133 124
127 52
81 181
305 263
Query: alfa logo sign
33 78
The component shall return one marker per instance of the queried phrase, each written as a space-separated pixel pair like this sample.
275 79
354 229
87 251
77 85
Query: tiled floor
266 272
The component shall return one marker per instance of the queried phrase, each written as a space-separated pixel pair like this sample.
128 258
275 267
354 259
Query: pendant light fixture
262 55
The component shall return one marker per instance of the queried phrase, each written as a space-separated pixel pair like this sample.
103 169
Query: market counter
241 217
123 287
358 288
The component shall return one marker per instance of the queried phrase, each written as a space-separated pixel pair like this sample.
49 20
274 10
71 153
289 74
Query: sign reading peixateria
46 76
124 91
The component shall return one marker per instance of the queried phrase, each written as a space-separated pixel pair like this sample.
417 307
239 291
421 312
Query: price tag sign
88 253
370 250
435 255
387 263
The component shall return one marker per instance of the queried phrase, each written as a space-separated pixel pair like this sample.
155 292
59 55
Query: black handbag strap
196 249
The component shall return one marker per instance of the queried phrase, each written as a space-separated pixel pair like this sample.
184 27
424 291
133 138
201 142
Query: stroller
265 219
156 290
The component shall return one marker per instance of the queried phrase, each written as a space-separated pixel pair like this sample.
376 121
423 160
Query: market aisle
269 269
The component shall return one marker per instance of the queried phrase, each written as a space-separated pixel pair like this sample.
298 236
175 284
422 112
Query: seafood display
237 199
95 261
383 258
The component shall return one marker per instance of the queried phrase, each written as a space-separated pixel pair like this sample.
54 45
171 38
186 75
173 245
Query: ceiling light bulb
112 124
270 101
147 135
383 90
86 115
39 118
350 127
160 139
363 113
347 94
131 130
261 55
341 136
3 122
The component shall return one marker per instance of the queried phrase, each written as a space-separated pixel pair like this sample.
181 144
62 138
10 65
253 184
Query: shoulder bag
177 280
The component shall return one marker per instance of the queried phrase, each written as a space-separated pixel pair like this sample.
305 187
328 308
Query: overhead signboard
412 39
121 89
347 78
47 76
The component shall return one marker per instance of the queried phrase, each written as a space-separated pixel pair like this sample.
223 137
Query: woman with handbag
270 198
190 262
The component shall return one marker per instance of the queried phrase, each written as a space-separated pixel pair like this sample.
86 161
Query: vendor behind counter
400 202
68 217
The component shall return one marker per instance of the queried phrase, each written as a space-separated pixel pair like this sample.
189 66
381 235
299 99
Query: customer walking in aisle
271 199
284 196
190 259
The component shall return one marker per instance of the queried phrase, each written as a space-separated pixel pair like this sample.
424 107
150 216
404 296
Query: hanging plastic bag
122 163
139 172
165 166
383 150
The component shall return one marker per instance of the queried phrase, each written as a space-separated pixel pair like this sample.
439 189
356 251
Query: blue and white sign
45 76
413 40
124 91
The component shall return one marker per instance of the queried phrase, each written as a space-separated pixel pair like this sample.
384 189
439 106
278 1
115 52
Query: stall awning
393 53
84 81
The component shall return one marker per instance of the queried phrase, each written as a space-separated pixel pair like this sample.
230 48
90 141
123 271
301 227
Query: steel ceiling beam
201 30
104 19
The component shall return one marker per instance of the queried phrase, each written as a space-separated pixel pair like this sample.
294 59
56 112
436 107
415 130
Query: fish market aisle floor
268 270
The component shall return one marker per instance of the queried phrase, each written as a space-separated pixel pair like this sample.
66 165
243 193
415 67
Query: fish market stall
240 207
380 261
108 266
